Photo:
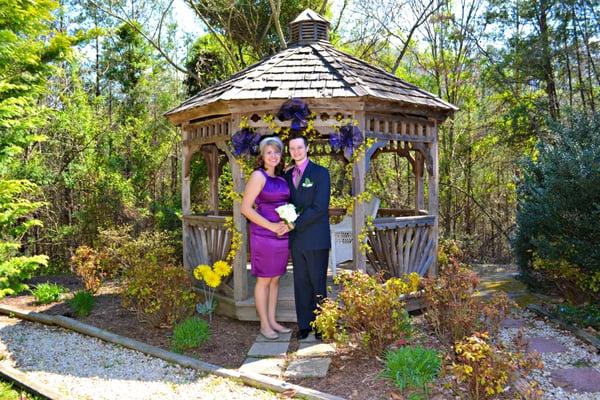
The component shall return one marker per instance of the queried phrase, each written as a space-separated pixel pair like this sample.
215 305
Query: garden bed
349 376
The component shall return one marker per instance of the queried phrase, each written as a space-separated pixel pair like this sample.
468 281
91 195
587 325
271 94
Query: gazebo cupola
392 115
308 27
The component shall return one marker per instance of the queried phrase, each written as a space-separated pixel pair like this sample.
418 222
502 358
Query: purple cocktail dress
269 252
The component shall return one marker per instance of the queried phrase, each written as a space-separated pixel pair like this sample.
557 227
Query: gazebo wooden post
240 274
186 208
419 183
358 216
211 156
433 183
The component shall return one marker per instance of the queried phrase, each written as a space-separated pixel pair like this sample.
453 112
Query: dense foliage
84 85
559 209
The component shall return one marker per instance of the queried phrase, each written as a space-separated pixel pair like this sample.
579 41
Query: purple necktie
296 176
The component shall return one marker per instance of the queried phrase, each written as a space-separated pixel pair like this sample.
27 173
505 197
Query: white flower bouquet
287 212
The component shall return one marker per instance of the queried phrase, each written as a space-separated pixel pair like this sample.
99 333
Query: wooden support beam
433 186
240 278
185 197
358 217
371 151
210 152
400 137
419 182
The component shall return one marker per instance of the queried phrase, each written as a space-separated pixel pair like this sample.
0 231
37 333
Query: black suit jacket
311 198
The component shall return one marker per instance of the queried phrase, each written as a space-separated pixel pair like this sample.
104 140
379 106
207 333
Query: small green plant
412 368
82 303
46 293
189 333
9 392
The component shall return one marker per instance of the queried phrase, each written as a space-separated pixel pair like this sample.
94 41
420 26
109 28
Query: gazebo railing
401 245
207 240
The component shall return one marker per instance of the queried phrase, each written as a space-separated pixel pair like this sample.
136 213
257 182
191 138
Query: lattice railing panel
402 247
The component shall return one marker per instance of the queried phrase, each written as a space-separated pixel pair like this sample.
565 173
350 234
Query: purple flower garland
245 142
296 110
349 137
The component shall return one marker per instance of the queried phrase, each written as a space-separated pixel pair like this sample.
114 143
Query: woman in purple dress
265 191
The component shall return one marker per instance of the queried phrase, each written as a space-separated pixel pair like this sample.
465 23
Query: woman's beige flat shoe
268 336
284 330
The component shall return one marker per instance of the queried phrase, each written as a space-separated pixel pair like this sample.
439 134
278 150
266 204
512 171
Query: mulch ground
350 375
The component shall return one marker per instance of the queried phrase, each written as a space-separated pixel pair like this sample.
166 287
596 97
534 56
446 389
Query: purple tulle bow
245 141
296 110
348 138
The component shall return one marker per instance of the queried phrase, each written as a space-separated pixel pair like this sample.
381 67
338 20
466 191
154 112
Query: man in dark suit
310 238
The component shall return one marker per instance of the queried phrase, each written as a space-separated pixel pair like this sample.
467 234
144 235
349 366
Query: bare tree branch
154 43
275 15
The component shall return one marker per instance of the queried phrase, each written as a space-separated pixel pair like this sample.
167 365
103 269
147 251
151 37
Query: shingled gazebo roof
314 70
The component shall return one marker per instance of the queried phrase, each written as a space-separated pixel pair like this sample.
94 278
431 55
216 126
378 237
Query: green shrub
82 303
189 333
367 311
46 293
160 294
586 316
412 367
558 212
155 285
15 220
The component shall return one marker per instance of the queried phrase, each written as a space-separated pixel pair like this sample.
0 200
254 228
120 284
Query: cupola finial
308 27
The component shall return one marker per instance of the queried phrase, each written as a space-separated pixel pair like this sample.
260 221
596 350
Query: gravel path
82 367
577 354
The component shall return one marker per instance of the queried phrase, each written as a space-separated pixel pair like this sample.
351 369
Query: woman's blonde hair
275 142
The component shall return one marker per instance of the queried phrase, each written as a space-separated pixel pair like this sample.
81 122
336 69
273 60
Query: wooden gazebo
400 117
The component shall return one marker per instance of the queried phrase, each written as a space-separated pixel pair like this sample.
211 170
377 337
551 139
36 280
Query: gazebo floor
245 310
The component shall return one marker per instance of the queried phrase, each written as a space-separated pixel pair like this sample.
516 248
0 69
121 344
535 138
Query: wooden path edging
21 380
580 333
248 378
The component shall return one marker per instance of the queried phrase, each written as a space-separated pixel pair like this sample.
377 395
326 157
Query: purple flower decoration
348 138
296 110
245 141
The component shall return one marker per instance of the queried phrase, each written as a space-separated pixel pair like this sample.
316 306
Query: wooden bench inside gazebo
398 117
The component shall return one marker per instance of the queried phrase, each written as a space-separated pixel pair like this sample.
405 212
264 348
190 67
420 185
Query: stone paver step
577 379
316 349
512 323
545 345
308 368
268 349
264 366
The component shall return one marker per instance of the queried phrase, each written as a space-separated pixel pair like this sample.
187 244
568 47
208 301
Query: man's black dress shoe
302 334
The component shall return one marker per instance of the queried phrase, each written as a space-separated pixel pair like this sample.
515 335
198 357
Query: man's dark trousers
310 240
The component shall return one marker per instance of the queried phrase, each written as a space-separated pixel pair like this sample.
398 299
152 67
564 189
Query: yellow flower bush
212 277
482 370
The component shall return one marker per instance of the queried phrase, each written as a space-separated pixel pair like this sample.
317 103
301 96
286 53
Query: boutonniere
307 183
